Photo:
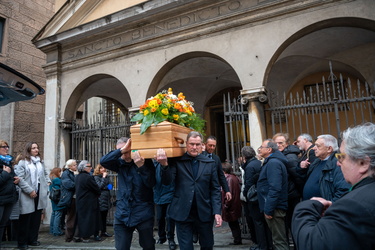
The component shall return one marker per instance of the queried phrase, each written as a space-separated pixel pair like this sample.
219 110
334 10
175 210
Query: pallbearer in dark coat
197 198
87 203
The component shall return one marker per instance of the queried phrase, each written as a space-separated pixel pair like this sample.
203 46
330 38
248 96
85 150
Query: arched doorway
204 79
330 49
98 117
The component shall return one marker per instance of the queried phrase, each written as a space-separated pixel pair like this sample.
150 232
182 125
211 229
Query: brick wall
24 19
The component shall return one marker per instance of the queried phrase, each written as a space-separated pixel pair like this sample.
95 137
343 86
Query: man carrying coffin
197 198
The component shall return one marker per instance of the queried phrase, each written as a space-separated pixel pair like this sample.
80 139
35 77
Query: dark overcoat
204 188
349 223
87 204
105 196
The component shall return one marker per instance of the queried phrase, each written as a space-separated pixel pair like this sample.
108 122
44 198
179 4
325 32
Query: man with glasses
272 190
324 178
348 223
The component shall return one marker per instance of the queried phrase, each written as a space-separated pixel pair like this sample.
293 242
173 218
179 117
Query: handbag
252 194
55 194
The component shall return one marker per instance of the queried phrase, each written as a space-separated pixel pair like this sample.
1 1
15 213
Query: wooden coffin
169 136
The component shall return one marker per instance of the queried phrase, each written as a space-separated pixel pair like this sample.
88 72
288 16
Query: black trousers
103 221
124 235
263 233
185 230
29 225
166 225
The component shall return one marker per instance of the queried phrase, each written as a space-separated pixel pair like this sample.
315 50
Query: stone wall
24 121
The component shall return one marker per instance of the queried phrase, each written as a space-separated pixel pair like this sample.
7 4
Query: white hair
330 141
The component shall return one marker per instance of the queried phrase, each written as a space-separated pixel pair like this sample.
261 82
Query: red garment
232 210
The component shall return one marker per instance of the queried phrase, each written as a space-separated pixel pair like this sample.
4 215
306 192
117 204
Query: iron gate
236 128
95 139
328 107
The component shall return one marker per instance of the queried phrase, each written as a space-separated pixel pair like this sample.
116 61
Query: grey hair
272 145
360 143
330 141
82 165
69 163
122 140
306 136
194 134
248 152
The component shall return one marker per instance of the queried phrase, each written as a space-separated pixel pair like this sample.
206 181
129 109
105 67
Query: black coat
87 205
291 153
220 174
252 169
349 223
8 192
204 188
105 195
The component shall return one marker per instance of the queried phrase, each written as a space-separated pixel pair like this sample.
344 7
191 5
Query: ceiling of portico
350 48
200 78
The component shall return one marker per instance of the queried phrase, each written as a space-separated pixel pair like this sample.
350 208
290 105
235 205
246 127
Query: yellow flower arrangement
166 106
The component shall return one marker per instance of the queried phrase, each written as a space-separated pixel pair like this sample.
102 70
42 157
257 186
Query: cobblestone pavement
222 236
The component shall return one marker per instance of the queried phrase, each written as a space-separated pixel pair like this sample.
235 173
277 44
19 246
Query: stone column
52 140
255 98
52 133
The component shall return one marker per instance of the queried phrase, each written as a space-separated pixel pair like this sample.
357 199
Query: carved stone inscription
164 27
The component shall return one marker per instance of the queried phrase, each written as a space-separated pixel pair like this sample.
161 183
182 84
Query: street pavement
222 235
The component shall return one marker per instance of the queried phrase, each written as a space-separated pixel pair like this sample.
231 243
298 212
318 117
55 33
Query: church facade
203 48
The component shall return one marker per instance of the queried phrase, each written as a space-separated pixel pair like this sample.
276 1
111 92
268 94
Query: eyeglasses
4 146
340 157
262 147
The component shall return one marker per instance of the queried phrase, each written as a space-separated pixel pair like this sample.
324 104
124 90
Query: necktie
210 156
194 166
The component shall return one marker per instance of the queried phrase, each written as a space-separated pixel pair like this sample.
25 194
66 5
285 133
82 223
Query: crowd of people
309 194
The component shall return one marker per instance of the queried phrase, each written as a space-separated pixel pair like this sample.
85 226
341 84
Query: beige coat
26 203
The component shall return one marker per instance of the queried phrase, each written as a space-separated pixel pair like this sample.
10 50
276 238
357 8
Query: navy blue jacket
163 194
200 194
134 195
332 182
273 184
68 189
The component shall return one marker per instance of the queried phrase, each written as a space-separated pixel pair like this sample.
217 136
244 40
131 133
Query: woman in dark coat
103 181
87 203
8 192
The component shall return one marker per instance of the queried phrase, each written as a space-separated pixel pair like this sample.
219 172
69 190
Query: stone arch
203 78
346 42
199 75
100 85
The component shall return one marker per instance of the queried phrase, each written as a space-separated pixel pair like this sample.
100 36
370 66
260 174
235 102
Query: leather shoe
161 241
97 238
172 245
77 240
105 234
22 247
35 243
